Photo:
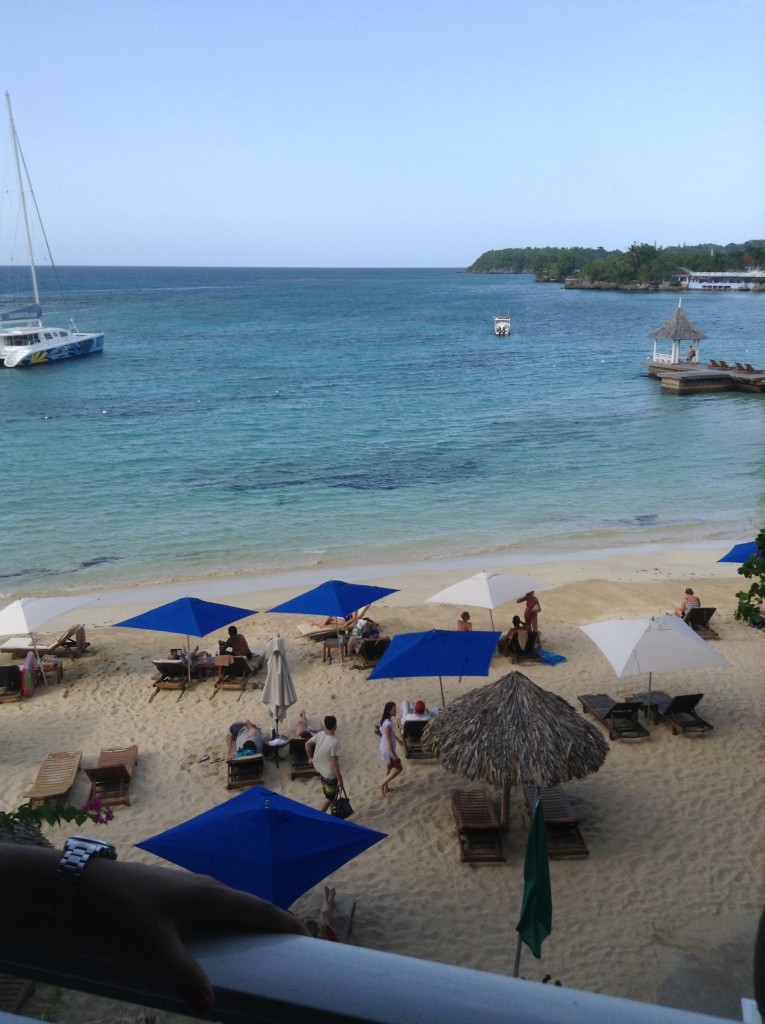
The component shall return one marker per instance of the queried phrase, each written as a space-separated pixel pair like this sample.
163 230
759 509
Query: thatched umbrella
676 328
513 732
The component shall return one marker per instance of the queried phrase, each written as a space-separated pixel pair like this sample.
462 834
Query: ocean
260 420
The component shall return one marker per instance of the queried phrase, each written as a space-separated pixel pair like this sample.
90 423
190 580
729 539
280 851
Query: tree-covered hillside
640 264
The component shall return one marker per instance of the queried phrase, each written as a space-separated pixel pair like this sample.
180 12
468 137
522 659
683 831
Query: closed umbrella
486 590
264 843
635 646
438 652
191 616
279 691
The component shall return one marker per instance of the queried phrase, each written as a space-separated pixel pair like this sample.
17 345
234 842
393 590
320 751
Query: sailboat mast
14 138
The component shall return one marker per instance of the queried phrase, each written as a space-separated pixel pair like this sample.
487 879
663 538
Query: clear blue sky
385 132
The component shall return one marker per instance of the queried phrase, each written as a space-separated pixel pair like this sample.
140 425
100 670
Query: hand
159 907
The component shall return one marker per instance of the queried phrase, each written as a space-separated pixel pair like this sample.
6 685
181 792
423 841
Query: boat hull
76 346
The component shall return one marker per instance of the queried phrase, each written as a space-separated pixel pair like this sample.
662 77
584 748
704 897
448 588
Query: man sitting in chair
236 644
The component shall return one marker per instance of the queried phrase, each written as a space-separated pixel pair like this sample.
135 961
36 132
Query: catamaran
24 338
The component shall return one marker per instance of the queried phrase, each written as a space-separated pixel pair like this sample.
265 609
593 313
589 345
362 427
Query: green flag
536 911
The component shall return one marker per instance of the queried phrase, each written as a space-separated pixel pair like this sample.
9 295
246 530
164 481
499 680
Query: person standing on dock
691 357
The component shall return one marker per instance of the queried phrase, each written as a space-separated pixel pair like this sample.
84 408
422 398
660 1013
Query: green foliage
547 262
640 264
56 814
750 601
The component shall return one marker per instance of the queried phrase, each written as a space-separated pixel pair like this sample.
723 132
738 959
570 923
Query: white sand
673 824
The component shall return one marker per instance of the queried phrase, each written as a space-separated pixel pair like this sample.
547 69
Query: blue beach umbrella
189 615
438 652
740 552
265 844
334 598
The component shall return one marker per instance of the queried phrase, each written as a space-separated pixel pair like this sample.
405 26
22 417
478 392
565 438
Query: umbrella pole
39 661
188 658
504 814
443 699
648 702
517 965
491 617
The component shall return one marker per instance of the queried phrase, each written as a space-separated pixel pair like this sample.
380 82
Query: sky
384 133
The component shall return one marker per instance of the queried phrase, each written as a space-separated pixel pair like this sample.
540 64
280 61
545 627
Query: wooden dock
698 378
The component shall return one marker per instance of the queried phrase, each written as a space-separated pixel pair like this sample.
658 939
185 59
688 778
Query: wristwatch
77 852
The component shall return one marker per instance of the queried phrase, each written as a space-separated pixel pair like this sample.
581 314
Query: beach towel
549 658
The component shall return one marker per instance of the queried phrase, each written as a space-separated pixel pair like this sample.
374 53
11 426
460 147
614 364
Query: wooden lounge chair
371 650
740 366
679 713
561 824
246 770
698 620
312 632
619 717
413 746
71 644
10 683
173 675
714 364
723 365
14 992
529 651
55 777
234 670
751 369
110 779
301 769
477 827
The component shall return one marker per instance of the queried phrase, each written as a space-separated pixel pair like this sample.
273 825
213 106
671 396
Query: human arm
152 908
336 769
309 748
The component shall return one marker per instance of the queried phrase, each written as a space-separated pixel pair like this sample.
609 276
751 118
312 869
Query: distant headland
642 267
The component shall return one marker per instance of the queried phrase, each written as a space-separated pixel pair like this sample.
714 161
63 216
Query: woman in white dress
392 761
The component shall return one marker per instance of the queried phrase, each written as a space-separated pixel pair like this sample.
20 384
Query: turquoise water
248 420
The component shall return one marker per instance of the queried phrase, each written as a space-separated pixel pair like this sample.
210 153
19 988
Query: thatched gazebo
676 328
512 732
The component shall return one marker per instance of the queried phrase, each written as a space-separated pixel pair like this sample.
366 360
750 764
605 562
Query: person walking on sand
323 752
392 761
532 609
464 625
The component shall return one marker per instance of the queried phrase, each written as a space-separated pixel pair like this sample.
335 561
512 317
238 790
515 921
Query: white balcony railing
270 979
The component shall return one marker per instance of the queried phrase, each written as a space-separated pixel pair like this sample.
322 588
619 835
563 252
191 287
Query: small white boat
24 338
502 325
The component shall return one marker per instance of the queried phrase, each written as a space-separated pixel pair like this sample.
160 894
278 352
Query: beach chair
173 675
723 365
245 770
698 620
714 364
740 366
14 992
55 777
71 644
234 670
477 827
370 651
412 731
312 632
301 769
110 779
561 824
619 717
10 683
529 651
679 713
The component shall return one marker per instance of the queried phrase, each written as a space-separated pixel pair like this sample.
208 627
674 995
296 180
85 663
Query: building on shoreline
720 281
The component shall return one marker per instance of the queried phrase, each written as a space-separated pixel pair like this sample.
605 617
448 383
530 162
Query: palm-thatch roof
513 732
678 327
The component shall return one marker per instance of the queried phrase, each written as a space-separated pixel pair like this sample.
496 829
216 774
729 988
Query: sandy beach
671 892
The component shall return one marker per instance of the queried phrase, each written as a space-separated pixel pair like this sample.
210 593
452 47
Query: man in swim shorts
322 750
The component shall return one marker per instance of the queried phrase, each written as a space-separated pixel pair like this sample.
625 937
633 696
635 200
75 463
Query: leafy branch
752 602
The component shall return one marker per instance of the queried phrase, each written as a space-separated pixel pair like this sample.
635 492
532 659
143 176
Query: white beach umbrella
652 644
486 590
29 613
279 691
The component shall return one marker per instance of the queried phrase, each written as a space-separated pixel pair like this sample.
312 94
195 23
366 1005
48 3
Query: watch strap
77 852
